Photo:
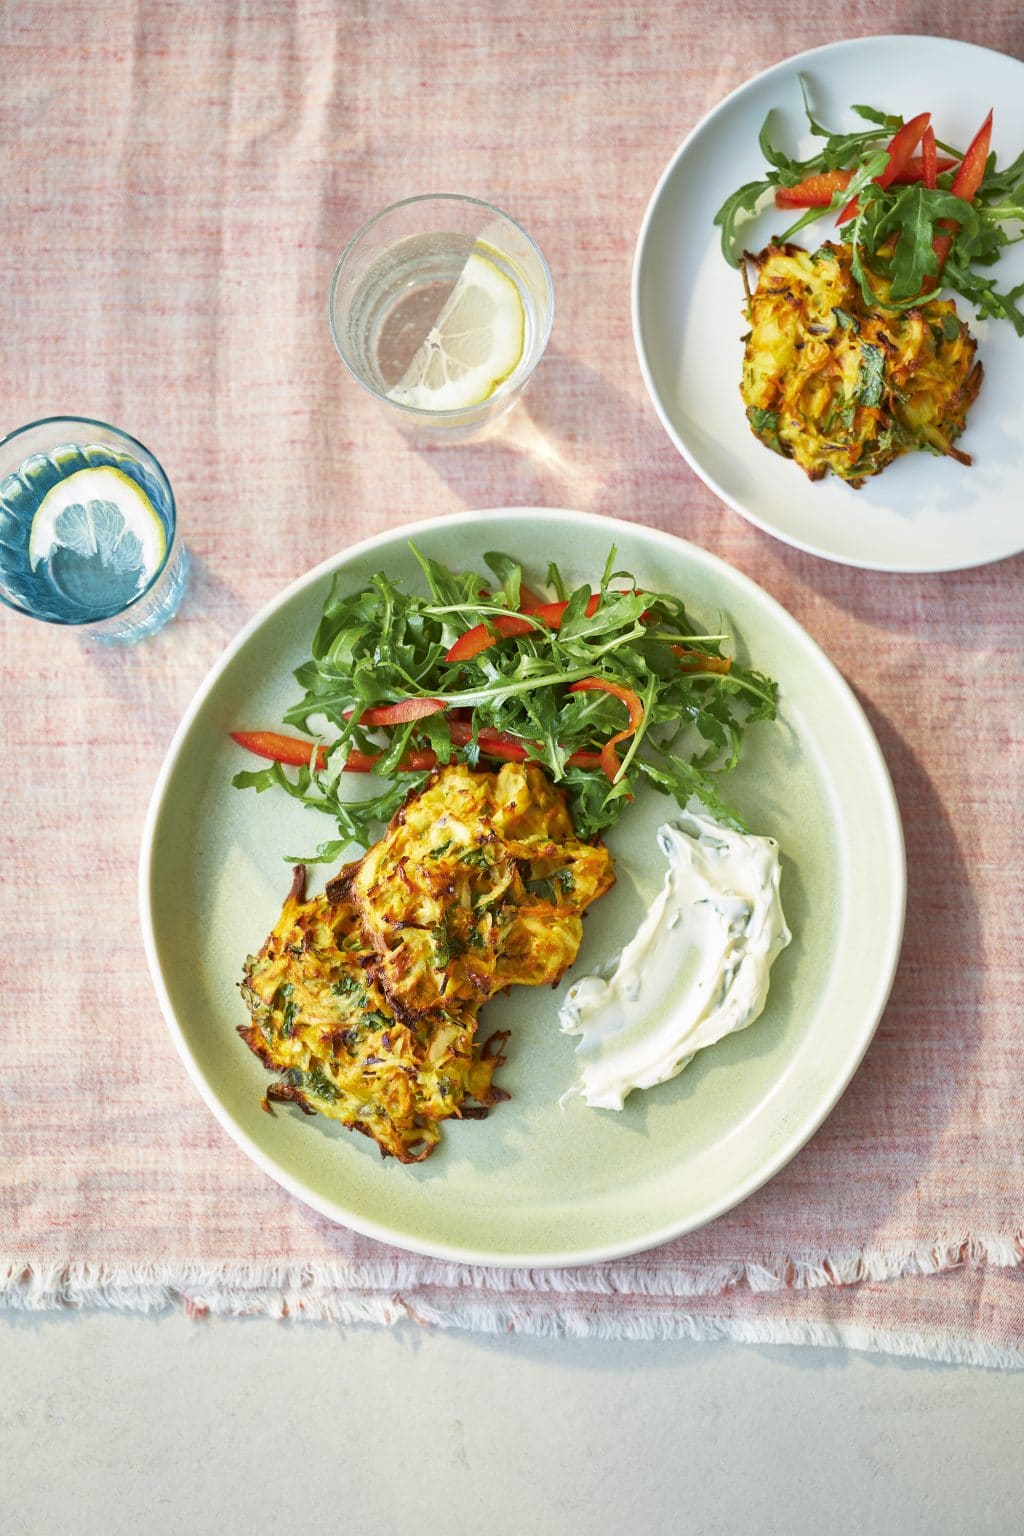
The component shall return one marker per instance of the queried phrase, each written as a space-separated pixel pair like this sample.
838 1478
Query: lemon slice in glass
100 514
473 346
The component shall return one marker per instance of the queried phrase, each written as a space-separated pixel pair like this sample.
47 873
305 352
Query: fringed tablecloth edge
531 1301
26 1282
125 1291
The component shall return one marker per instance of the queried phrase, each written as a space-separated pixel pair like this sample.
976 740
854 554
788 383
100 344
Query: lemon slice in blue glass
105 518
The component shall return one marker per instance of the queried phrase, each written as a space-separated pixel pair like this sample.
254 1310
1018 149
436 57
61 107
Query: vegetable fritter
836 385
320 1019
478 882
365 999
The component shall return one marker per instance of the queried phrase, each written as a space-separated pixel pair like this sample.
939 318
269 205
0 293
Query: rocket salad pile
916 211
604 688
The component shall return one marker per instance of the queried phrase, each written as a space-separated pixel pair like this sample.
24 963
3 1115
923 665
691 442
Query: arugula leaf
326 853
999 184
788 168
883 119
743 201
275 777
555 580
510 573
915 256
841 148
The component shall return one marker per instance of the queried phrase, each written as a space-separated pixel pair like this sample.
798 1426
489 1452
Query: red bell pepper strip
504 625
511 748
940 245
529 602
815 191
901 147
505 746
929 159
481 636
608 757
503 751
280 749
972 167
364 762
965 184
552 614
295 753
700 661
584 759
402 712
914 170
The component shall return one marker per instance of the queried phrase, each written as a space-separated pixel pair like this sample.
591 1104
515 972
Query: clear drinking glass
87 529
441 307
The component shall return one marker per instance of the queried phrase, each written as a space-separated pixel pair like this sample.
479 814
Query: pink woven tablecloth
177 181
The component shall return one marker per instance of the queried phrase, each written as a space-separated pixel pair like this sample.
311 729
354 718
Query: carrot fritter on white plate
838 385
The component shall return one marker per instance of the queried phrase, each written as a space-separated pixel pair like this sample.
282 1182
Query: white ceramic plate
535 1184
922 513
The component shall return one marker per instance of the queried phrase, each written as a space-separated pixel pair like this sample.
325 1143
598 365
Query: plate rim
653 395
891 833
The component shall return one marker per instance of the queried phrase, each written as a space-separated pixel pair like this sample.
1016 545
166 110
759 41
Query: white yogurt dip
695 970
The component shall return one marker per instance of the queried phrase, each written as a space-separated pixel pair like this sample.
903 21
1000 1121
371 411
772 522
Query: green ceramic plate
534 1184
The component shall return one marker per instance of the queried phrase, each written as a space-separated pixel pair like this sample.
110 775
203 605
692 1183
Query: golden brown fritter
365 999
479 882
839 386
320 1019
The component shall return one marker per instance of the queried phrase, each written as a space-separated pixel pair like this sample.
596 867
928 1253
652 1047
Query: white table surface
114 1424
